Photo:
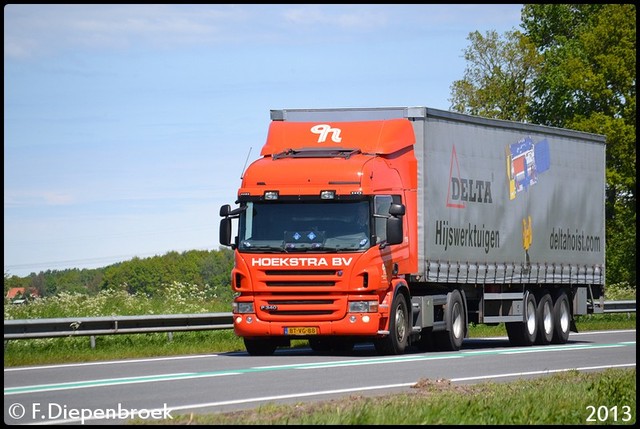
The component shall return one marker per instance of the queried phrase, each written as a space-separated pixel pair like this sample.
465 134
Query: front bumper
354 324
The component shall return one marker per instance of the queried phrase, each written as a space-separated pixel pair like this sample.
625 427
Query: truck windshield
305 226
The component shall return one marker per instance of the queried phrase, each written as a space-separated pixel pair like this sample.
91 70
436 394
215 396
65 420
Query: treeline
570 66
210 271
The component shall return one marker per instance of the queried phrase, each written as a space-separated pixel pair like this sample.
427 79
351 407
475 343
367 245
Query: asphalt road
161 388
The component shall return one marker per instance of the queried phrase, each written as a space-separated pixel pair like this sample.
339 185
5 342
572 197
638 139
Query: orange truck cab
331 243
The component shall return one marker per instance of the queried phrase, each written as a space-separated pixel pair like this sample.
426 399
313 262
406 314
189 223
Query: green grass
570 398
566 398
179 298
128 346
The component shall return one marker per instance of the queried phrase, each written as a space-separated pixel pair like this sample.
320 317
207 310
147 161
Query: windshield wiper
262 248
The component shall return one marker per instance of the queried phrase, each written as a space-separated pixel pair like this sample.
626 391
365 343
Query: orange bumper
356 324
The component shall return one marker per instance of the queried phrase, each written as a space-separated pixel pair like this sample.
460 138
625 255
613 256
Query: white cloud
44 29
346 17
14 199
41 29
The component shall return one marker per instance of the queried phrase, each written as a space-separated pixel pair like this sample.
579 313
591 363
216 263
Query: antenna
245 163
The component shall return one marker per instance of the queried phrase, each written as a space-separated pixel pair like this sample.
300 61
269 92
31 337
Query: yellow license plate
301 331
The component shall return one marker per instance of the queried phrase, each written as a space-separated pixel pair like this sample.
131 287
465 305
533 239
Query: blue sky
126 127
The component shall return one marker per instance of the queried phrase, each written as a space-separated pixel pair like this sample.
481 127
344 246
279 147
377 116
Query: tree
573 66
587 82
497 81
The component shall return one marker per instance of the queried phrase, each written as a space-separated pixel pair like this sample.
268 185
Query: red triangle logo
454 160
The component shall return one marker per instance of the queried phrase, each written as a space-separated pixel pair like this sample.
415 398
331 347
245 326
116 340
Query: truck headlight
363 306
243 307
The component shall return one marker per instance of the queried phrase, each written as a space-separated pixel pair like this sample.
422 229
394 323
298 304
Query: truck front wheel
396 342
329 344
260 346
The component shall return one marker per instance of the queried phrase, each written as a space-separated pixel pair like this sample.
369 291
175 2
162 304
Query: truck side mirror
225 231
225 210
395 234
394 230
396 210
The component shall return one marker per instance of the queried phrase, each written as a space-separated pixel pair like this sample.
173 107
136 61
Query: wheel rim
547 320
457 325
531 317
564 316
401 329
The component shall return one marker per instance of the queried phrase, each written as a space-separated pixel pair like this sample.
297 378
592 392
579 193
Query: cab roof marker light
327 195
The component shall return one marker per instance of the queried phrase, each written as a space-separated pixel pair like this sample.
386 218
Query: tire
546 322
329 344
455 317
396 342
320 344
562 319
260 346
342 344
525 333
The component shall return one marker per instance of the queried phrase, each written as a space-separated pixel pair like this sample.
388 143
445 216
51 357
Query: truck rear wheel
562 319
396 342
451 339
525 333
260 346
546 324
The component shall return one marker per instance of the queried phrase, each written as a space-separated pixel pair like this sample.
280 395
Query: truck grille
317 301
284 278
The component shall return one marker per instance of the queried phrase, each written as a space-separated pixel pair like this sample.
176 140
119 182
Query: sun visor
374 137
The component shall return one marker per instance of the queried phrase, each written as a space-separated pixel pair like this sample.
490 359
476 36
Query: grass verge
570 398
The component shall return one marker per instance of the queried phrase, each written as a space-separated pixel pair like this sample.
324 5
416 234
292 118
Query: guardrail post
170 336
93 341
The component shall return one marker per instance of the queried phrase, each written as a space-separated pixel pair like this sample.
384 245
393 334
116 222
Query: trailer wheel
525 333
451 339
396 342
562 319
260 346
546 323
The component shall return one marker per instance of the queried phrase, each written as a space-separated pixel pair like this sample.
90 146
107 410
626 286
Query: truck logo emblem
525 161
323 131
268 307
463 190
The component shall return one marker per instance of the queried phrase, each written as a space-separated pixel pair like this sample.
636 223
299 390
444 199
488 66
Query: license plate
301 331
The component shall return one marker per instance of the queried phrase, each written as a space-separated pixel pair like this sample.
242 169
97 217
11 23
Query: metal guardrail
620 306
111 325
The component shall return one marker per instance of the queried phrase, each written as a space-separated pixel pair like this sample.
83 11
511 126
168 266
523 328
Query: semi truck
401 226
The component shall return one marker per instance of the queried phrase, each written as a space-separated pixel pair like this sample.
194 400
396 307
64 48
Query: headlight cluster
363 306
243 307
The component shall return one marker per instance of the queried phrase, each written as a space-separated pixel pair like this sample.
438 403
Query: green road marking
315 365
